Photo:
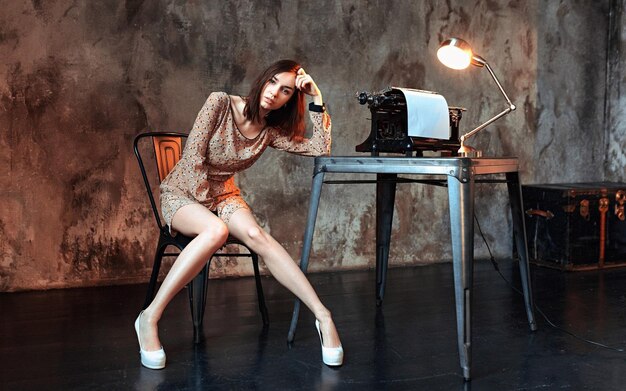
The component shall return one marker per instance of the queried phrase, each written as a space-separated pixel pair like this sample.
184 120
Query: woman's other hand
305 83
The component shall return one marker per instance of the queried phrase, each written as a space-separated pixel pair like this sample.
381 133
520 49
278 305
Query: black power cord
545 317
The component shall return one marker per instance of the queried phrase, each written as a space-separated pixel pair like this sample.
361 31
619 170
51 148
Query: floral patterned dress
216 150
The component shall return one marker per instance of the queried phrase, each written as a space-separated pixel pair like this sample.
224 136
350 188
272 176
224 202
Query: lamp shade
455 53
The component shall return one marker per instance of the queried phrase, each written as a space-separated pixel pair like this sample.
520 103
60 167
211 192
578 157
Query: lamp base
467 151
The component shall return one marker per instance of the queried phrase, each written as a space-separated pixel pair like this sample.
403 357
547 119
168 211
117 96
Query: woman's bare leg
210 234
244 227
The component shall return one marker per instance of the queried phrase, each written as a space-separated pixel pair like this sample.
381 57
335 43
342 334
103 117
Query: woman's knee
216 232
257 235
196 220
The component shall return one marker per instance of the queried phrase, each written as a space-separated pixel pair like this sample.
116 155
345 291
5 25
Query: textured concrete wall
78 79
571 89
616 109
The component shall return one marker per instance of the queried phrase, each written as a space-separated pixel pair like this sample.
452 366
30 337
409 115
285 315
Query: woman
229 135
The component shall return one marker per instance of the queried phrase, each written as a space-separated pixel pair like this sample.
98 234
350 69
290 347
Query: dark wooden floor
84 338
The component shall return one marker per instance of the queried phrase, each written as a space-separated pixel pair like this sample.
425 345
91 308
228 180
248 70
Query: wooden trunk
576 226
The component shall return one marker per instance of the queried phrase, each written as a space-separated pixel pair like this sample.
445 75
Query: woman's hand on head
305 83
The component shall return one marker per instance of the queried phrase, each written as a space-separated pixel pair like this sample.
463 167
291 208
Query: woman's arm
317 145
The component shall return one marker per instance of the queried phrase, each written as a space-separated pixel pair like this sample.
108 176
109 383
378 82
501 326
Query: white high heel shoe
332 357
154 359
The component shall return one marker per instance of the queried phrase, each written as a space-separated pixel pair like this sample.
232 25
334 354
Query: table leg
519 230
318 181
385 197
461 200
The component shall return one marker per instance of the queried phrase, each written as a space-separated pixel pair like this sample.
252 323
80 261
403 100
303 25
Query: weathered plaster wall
571 88
616 109
78 79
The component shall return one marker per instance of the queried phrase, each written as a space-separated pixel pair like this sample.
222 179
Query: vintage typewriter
409 122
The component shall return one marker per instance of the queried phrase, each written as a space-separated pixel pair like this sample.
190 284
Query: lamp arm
479 61
493 75
484 125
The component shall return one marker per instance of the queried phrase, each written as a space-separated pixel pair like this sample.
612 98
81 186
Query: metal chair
167 148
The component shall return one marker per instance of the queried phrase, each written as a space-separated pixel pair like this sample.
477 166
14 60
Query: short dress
216 150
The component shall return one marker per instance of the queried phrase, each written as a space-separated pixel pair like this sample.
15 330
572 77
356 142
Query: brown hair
289 118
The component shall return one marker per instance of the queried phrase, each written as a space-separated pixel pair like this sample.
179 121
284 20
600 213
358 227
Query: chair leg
197 300
259 289
156 267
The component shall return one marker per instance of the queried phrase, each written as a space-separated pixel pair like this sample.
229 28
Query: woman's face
278 90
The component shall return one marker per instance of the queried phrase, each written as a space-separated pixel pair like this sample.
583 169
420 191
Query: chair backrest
168 149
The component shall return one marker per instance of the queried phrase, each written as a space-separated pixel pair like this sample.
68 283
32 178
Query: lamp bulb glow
454 57
455 53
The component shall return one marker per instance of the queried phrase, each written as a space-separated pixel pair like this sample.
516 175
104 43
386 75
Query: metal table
459 176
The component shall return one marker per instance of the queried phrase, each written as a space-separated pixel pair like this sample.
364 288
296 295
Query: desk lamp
456 53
